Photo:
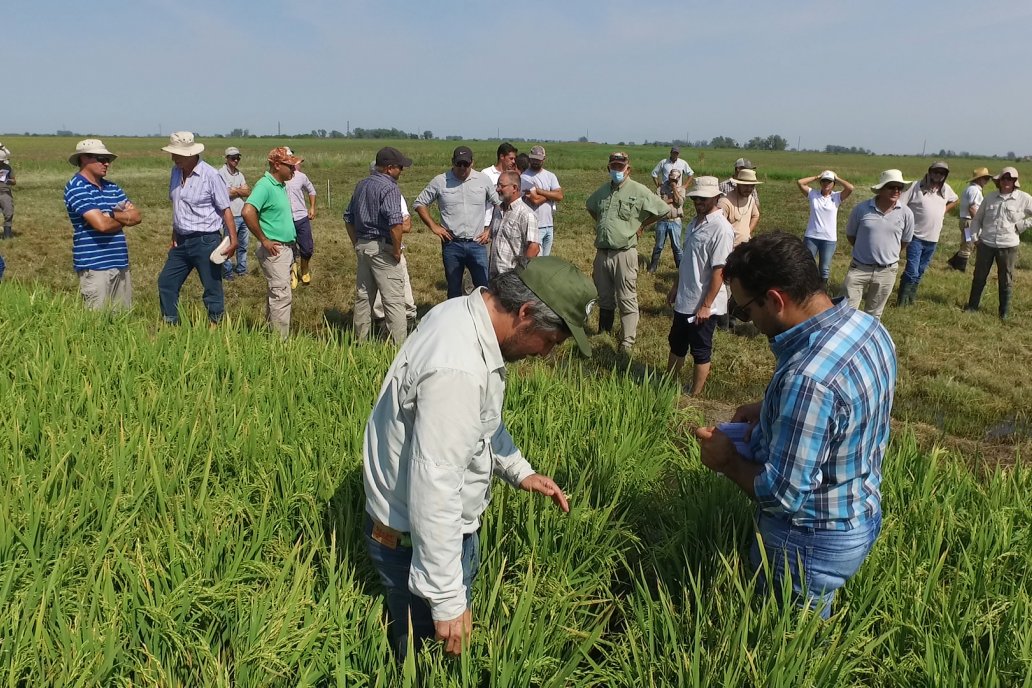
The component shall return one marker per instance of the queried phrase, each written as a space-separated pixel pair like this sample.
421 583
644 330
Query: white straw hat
89 147
705 187
217 256
889 177
182 143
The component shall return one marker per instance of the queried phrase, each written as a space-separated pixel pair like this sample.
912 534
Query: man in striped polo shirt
200 210
268 217
99 210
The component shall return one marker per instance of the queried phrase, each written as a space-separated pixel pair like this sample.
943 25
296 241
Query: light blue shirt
879 235
461 202
198 204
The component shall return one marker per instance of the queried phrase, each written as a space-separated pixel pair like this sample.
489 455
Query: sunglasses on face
894 188
462 163
741 310
103 159
233 157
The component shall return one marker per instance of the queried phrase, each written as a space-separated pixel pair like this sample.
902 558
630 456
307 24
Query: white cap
827 174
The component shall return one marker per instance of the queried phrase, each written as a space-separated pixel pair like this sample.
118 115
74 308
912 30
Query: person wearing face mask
542 193
1003 215
461 194
621 208
929 199
879 230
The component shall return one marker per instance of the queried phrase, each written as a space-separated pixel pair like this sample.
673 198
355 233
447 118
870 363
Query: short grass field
181 506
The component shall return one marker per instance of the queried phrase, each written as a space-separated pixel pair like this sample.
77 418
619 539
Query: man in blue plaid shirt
818 437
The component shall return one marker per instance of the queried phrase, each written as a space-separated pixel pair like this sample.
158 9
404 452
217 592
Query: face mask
617 176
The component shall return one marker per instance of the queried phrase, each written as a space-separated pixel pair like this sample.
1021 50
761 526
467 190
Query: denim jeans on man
192 252
546 234
393 567
819 561
919 256
459 254
663 229
241 253
823 250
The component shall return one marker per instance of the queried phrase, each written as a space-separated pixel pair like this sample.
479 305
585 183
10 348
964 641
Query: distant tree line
774 142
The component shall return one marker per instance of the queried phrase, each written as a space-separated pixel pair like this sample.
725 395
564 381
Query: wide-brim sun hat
1011 171
889 177
705 187
89 147
217 256
979 173
746 176
182 143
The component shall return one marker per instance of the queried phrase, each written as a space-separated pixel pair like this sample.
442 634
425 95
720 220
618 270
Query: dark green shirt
621 211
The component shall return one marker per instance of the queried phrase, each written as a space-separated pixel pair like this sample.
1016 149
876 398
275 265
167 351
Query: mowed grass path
181 507
962 377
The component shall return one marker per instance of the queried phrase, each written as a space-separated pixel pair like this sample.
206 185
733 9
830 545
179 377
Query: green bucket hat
564 289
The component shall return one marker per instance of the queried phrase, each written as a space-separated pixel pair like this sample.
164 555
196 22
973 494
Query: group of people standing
213 214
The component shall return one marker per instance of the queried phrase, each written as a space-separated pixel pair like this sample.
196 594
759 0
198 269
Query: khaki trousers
277 273
103 288
870 284
966 246
378 273
410 300
615 273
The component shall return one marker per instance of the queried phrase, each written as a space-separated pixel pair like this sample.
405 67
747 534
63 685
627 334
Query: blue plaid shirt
375 207
824 421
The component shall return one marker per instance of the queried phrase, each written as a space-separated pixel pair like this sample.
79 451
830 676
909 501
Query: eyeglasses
741 310
462 163
894 187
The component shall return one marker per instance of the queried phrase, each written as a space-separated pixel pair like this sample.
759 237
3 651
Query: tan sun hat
980 172
889 177
89 147
746 176
1012 172
705 187
182 143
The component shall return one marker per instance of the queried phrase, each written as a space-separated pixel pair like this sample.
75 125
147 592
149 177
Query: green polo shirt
621 211
269 198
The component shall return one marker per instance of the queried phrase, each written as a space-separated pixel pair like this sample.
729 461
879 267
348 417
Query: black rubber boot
958 262
906 294
1005 299
8 232
605 320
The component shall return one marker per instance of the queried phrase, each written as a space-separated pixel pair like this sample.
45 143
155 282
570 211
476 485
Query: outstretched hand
544 485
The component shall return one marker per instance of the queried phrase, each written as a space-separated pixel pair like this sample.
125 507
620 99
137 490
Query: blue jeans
393 566
546 234
828 558
459 254
192 253
664 228
241 253
919 255
3 266
823 250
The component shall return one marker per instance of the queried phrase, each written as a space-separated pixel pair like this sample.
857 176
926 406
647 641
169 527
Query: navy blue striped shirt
93 250
824 420
375 207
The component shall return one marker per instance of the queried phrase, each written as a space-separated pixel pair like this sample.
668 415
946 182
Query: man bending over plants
818 437
436 436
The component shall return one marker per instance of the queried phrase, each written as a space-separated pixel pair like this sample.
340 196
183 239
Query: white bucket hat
1011 172
182 143
89 147
705 187
217 256
889 177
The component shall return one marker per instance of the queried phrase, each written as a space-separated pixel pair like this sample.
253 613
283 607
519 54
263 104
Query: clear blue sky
883 75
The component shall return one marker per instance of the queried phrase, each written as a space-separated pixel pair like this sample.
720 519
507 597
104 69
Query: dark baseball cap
564 289
462 154
391 156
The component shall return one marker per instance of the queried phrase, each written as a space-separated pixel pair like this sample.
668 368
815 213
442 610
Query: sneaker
228 276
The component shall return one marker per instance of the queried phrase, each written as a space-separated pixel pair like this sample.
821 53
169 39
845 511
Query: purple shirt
198 205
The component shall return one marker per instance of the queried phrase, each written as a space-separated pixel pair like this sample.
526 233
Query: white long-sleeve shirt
1000 219
433 441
